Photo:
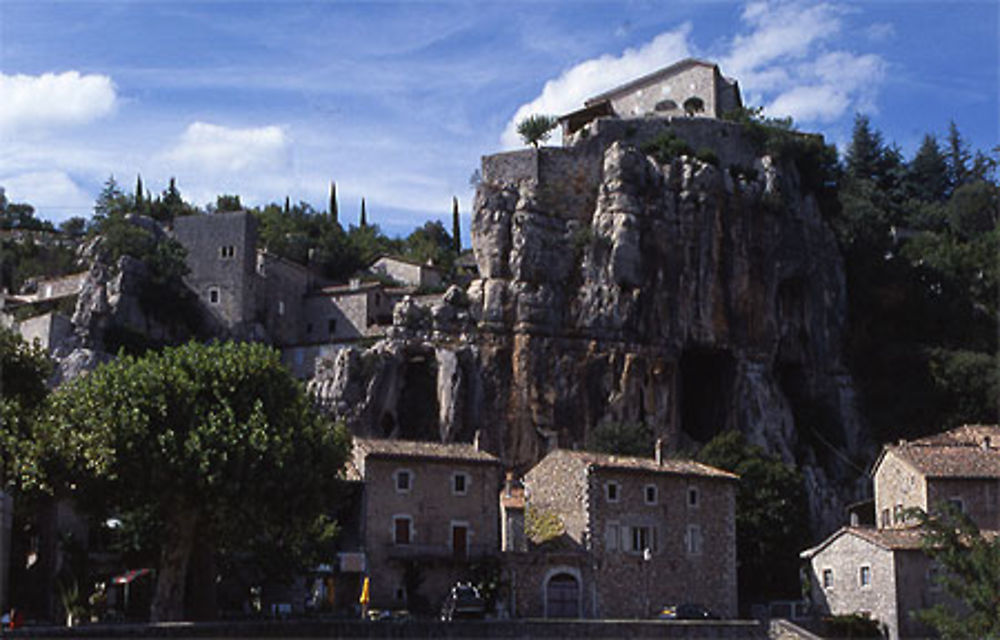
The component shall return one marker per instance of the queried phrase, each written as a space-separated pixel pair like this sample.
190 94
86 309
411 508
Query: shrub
666 146
708 156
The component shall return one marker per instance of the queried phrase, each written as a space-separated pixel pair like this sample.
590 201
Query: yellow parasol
365 596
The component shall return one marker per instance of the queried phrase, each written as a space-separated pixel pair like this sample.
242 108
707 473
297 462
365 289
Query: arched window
694 105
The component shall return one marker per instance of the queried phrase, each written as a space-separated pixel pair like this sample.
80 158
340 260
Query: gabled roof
644 465
908 539
386 256
652 77
419 450
969 451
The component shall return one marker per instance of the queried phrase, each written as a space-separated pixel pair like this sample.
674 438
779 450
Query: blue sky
397 101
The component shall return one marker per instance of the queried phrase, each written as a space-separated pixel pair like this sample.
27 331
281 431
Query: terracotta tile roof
970 451
627 463
371 447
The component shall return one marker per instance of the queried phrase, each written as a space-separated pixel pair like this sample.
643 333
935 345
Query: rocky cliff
693 296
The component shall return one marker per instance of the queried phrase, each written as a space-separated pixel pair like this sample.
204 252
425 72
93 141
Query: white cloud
31 103
591 77
214 148
211 159
791 59
54 192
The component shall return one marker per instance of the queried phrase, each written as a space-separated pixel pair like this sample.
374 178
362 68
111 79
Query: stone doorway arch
563 592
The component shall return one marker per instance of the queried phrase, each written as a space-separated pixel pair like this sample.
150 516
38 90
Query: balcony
439 552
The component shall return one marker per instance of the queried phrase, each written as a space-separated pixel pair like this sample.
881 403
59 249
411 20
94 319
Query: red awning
130 575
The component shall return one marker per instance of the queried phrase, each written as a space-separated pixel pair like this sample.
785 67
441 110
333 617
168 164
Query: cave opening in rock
418 404
705 392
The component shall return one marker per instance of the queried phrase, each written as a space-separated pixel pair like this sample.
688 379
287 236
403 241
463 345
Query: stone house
408 272
632 535
347 312
961 467
429 510
688 87
880 570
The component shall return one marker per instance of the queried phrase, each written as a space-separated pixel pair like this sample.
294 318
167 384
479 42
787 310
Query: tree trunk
201 598
168 603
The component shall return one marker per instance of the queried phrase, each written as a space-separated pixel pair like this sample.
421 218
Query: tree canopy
968 565
772 522
536 128
217 442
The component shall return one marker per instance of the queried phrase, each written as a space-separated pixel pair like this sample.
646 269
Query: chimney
508 484
986 443
477 440
658 451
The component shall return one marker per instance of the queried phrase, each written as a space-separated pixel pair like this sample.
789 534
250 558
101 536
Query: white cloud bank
211 159
788 61
591 77
30 103
53 192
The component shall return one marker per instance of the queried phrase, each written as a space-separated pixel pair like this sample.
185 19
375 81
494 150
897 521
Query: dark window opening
418 401
331 326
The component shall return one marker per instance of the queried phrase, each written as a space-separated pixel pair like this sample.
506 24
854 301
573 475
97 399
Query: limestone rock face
690 297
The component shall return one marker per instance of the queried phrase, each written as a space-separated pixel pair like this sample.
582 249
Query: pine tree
865 151
456 232
364 216
958 157
334 214
927 175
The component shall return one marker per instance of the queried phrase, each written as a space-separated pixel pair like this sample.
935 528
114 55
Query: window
460 539
649 492
402 529
213 295
934 577
897 514
827 578
693 497
227 251
611 534
309 327
642 539
331 326
957 504
404 480
885 517
281 307
459 483
612 490
693 540
865 576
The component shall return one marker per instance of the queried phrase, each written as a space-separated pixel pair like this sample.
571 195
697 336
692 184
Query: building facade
634 532
880 570
429 512
408 272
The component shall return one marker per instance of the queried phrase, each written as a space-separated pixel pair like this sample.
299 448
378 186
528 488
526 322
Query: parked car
463 602
687 611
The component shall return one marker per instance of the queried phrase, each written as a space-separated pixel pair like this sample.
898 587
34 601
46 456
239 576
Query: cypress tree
456 232
334 214
138 193
288 206
364 217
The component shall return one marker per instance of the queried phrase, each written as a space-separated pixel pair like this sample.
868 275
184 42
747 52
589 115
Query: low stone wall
413 629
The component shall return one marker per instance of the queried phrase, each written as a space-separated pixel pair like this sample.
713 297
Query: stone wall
433 508
222 258
408 273
58 287
281 288
694 81
844 557
49 329
980 498
898 486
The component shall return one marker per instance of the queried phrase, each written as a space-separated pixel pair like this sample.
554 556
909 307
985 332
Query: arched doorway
562 596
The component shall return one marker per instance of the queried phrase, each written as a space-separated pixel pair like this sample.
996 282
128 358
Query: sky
396 101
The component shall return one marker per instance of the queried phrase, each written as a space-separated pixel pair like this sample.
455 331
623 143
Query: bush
708 156
666 146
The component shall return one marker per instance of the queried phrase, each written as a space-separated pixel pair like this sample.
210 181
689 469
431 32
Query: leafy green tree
219 441
112 200
536 128
970 572
75 226
771 517
431 243
622 438
228 203
24 368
